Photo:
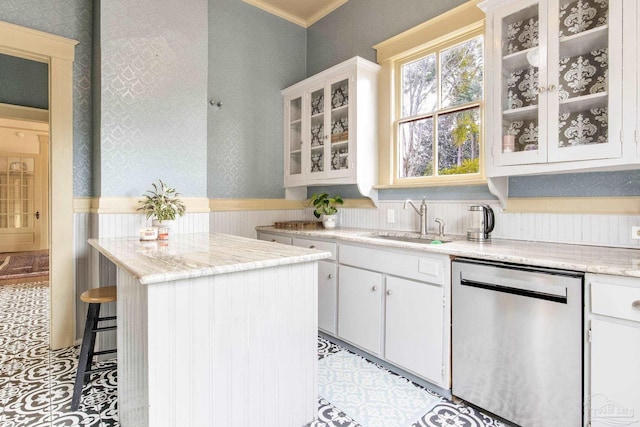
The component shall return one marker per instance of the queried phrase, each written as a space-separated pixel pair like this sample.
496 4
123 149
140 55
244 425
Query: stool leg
86 353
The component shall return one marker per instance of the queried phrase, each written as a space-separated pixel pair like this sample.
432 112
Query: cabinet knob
330 276
374 288
389 292
552 88
273 240
541 89
636 304
312 247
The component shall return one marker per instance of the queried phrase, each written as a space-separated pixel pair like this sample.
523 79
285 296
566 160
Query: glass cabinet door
339 122
317 132
582 76
294 137
522 73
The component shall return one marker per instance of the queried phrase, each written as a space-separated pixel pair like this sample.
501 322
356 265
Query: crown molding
303 22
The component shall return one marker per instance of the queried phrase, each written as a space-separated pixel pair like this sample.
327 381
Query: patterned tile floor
36 384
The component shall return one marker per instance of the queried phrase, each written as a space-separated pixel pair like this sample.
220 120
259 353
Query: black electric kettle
481 223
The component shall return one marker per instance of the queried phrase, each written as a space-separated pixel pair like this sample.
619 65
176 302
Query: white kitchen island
215 330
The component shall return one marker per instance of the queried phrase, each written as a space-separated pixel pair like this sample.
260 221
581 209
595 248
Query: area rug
17 266
370 395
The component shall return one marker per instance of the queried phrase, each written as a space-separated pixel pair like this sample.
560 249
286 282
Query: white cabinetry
395 305
614 324
331 129
414 326
554 79
327 283
360 308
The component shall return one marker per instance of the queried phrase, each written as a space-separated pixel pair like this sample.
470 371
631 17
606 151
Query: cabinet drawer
285 240
316 244
618 301
423 268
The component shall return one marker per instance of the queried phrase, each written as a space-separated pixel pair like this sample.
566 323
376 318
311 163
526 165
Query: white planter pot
329 221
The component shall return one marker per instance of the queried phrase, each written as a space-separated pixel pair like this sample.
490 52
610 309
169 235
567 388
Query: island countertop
186 256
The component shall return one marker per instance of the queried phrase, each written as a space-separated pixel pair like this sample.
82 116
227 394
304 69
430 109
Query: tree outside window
440 117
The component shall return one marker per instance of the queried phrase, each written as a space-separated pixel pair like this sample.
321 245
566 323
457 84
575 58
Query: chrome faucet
422 212
440 228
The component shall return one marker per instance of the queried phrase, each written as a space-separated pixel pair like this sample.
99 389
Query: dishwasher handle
562 299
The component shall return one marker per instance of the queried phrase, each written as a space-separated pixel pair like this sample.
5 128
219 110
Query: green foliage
162 202
468 166
324 204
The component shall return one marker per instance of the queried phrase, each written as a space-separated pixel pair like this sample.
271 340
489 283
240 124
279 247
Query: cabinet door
341 93
318 132
327 296
293 133
615 374
414 325
585 80
518 68
360 308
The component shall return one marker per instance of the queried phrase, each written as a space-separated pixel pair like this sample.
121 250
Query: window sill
436 183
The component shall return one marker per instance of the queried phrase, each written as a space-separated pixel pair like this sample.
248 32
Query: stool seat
100 295
95 298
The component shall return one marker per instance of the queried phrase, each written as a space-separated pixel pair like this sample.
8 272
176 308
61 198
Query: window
439 111
431 102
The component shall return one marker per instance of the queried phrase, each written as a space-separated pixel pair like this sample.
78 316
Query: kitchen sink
427 240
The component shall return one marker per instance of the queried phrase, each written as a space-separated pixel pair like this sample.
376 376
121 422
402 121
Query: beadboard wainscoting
586 229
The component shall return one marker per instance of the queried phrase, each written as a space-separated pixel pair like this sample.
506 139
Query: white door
615 374
327 296
20 202
414 327
360 308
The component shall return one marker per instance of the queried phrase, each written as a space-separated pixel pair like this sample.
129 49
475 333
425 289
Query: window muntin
439 122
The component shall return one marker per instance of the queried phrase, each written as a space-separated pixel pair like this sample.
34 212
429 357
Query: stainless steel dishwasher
517 341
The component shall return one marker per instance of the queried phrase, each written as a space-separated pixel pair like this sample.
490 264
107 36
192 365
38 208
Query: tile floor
36 384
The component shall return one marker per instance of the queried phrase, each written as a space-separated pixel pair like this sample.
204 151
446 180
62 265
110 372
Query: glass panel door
17 193
583 80
522 73
340 125
318 133
295 137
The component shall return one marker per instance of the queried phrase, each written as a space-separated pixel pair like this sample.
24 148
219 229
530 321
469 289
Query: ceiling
300 12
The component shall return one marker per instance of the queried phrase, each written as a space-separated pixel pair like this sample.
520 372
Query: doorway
58 53
24 183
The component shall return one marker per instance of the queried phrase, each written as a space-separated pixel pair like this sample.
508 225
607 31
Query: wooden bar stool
95 297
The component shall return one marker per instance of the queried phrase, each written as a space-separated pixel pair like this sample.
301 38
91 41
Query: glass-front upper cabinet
293 136
326 142
555 87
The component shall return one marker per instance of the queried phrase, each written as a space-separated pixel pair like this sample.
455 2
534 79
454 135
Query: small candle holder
508 143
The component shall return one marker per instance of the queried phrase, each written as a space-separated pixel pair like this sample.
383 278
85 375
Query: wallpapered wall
24 82
252 56
153 96
71 19
359 24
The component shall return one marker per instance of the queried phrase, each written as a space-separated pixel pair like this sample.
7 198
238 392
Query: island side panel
235 349
133 378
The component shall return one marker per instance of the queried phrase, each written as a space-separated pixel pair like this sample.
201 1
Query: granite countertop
201 254
590 259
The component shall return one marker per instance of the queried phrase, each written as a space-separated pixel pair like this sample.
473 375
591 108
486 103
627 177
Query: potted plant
325 208
162 204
